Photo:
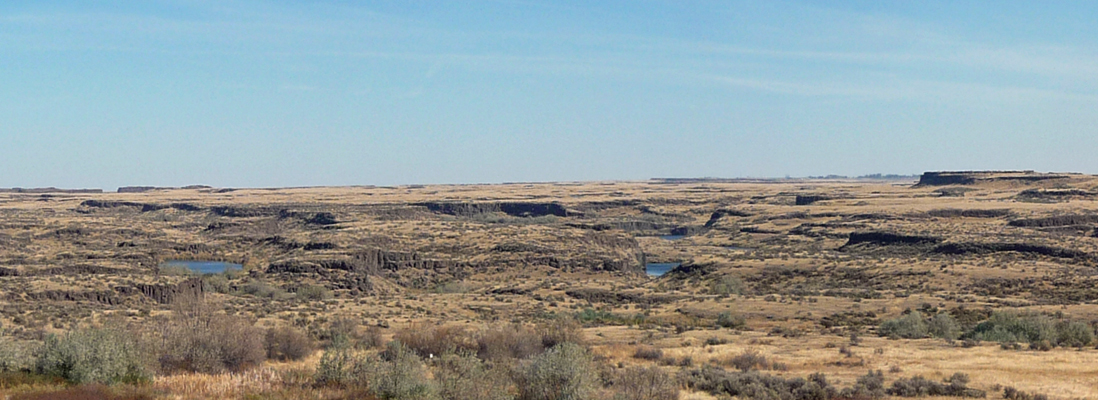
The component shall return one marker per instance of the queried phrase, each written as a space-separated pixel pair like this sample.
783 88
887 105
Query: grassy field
994 278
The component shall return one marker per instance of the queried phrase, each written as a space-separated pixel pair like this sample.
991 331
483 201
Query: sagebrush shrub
727 320
396 373
14 356
285 343
94 355
943 326
564 372
645 383
1006 327
335 365
910 326
955 386
560 330
514 341
462 376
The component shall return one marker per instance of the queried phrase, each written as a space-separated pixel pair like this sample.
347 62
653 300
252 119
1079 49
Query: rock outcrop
515 209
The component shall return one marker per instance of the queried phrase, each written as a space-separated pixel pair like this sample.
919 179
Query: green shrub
335 365
462 376
97 355
868 386
645 383
754 385
397 373
216 283
727 320
564 372
1074 334
910 326
726 285
943 326
13 355
313 292
1006 327
955 386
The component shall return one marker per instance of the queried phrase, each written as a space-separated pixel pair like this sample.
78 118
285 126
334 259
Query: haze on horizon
242 93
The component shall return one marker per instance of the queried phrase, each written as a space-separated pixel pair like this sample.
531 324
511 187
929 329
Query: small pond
672 237
657 269
735 248
203 267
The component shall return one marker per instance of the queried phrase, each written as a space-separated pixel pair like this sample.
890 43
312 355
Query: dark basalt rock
515 209
136 189
940 178
108 298
166 294
1059 220
888 239
717 215
985 248
960 213
804 200
687 230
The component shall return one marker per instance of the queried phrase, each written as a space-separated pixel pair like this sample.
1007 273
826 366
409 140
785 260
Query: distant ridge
48 190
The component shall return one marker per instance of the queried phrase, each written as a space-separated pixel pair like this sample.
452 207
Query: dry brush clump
197 338
285 343
645 383
954 386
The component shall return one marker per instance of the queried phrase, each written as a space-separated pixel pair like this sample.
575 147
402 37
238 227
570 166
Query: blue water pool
203 267
657 269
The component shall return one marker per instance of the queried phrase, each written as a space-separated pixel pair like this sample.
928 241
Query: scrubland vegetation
787 290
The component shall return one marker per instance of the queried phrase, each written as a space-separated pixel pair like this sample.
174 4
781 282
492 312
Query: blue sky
296 93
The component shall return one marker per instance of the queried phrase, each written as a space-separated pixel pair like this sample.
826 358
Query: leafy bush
910 326
286 343
1074 334
97 355
943 326
397 373
564 372
462 376
727 320
645 383
955 386
1005 327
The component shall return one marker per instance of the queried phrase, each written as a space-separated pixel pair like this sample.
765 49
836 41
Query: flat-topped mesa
942 178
